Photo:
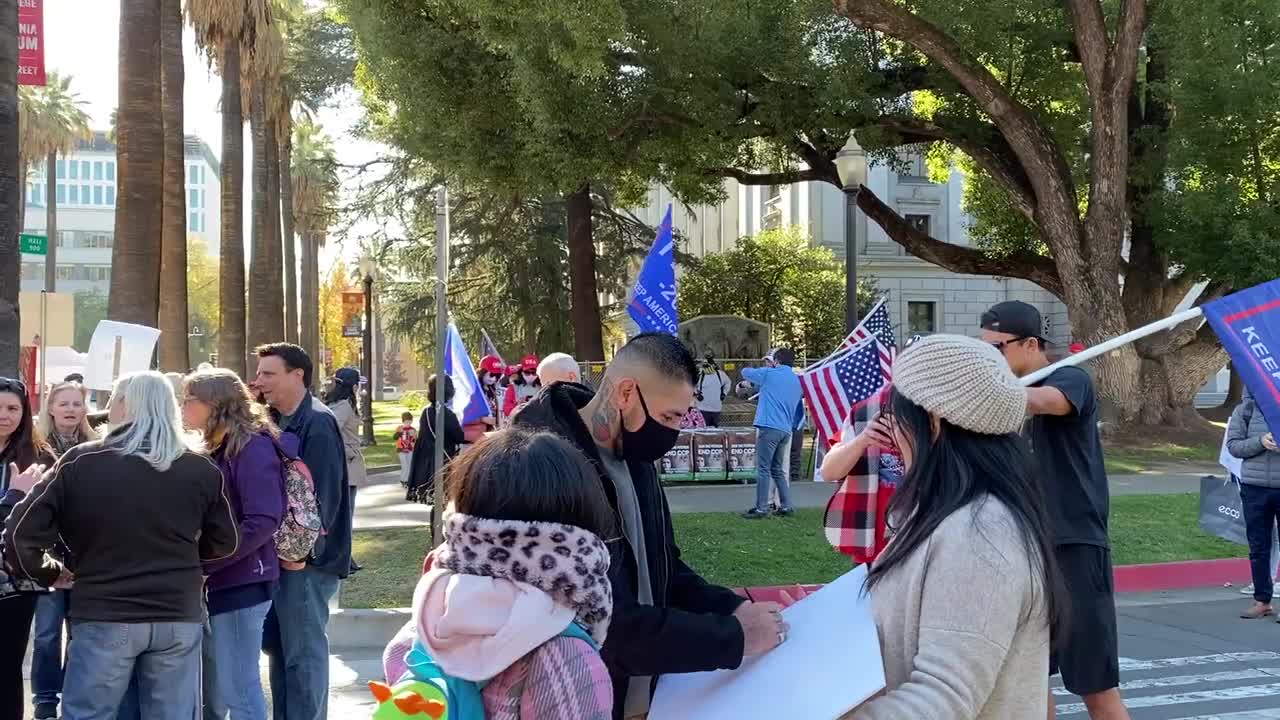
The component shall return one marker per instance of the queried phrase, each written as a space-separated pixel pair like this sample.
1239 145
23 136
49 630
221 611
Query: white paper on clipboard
829 665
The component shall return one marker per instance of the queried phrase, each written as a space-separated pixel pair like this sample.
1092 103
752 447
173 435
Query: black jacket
422 464
690 627
136 535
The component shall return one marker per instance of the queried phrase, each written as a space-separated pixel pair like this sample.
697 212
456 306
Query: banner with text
31 42
653 300
352 313
1248 324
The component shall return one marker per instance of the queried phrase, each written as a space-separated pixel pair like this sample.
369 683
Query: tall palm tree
174 323
315 190
290 13
10 191
135 257
53 120
227 31
266 298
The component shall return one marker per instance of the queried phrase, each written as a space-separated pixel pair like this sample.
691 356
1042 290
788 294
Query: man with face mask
666 619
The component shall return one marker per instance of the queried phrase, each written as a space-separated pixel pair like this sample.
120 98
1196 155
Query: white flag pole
1113 343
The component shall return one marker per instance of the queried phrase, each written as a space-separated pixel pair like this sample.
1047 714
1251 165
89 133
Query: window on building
61 169
97 272
62 194
97 170
84 169
32 271
111 170
66 272
918 221
66 238
922 317
97 194
193 198
193 221
75 171
111 196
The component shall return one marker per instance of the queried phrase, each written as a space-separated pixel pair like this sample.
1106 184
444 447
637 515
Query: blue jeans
46 653
295 641
104 657
234 647
1261 509
770 448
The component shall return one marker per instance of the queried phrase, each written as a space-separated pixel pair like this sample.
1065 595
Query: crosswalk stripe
1273 714
1222 695
1169 681
1128 665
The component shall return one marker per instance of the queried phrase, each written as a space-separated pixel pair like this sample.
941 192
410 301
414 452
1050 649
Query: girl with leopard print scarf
523 559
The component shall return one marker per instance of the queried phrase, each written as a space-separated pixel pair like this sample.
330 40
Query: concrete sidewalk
383 505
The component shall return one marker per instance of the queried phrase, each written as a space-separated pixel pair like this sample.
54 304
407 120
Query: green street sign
33 244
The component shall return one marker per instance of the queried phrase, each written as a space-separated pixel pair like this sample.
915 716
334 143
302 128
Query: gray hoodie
1244 440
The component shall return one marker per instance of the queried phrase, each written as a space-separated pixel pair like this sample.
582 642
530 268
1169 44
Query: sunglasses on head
12 385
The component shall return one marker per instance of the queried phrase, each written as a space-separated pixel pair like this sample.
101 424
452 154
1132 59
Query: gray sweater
1244 440
962 626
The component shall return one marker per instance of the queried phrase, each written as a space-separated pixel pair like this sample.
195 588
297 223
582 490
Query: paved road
383 504
1186 656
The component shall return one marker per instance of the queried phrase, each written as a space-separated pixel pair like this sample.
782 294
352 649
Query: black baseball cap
1016 318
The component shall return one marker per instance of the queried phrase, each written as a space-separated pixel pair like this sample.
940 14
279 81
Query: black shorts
1088 654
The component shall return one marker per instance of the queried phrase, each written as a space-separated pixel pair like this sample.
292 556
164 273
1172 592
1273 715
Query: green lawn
735 552
1131 460
386 417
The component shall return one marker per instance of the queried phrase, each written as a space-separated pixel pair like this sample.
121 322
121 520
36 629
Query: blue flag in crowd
468 402
1248 324
653 300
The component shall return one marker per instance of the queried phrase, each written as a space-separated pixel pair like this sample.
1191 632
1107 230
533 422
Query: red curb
1128 578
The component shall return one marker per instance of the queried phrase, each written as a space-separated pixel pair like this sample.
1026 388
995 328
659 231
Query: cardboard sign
741 462
677 464
709 450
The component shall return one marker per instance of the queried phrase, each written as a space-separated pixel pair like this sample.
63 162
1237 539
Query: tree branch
777 178
1094 46
1028 266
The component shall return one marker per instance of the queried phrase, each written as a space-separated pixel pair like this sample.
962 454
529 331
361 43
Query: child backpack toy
302 527
426 691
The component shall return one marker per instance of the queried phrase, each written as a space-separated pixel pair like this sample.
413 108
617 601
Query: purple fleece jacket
254 483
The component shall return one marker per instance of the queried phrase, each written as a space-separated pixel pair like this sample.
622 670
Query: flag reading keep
1248 324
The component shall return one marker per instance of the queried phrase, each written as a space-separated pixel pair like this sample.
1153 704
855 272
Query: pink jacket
507 635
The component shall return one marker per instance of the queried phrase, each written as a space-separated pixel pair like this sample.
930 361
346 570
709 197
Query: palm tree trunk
266 315
135 259
10 191
232 350
588 338
290 244
50 223
274 240
310 331
174 344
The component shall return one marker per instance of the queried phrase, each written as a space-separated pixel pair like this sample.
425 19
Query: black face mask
651 441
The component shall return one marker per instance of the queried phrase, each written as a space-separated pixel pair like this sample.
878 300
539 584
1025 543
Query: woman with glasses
65 424
968 518
247 448
23 455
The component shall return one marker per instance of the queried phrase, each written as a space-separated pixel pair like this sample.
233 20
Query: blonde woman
136 548
247 447
65 424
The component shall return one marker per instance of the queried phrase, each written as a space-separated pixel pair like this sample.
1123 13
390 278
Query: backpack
427 689
302 527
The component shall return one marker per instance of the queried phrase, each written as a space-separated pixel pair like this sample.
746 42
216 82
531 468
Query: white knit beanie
964 381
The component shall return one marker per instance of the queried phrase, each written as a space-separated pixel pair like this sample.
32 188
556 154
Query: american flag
832 389
878 325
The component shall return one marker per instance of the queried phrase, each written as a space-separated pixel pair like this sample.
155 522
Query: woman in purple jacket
247 447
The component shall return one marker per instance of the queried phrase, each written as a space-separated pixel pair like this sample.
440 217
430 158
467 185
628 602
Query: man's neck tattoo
602 418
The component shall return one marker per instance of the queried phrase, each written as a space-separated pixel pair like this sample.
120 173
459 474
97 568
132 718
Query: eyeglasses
1014 341
12 385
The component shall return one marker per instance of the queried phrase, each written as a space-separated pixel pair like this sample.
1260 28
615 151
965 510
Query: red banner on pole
31 42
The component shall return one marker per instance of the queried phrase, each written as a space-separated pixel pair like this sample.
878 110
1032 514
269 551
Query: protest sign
829 665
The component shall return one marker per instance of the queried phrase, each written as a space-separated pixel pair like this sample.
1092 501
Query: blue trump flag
468 402
653 300
1248 324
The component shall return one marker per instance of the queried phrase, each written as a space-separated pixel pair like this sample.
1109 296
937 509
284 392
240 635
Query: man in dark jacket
666 619
294 636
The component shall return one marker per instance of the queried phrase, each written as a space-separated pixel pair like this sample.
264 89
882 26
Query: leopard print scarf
567 562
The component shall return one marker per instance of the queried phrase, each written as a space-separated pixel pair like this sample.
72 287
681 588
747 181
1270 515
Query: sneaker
1247 589
1256 610
784 512
47 711
754 514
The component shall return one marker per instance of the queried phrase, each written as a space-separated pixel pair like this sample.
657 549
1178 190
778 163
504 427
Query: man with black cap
1063 431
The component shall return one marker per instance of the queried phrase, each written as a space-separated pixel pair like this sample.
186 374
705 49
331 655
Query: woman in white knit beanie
966 593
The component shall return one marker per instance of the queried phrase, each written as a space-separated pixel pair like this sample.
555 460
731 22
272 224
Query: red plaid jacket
855 518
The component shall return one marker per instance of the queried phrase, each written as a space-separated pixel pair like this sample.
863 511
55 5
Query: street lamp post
442 332
367 267
851 163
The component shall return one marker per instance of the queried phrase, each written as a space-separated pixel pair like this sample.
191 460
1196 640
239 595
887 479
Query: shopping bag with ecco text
1221 511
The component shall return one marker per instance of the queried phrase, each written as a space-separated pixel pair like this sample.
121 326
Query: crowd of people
559 590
